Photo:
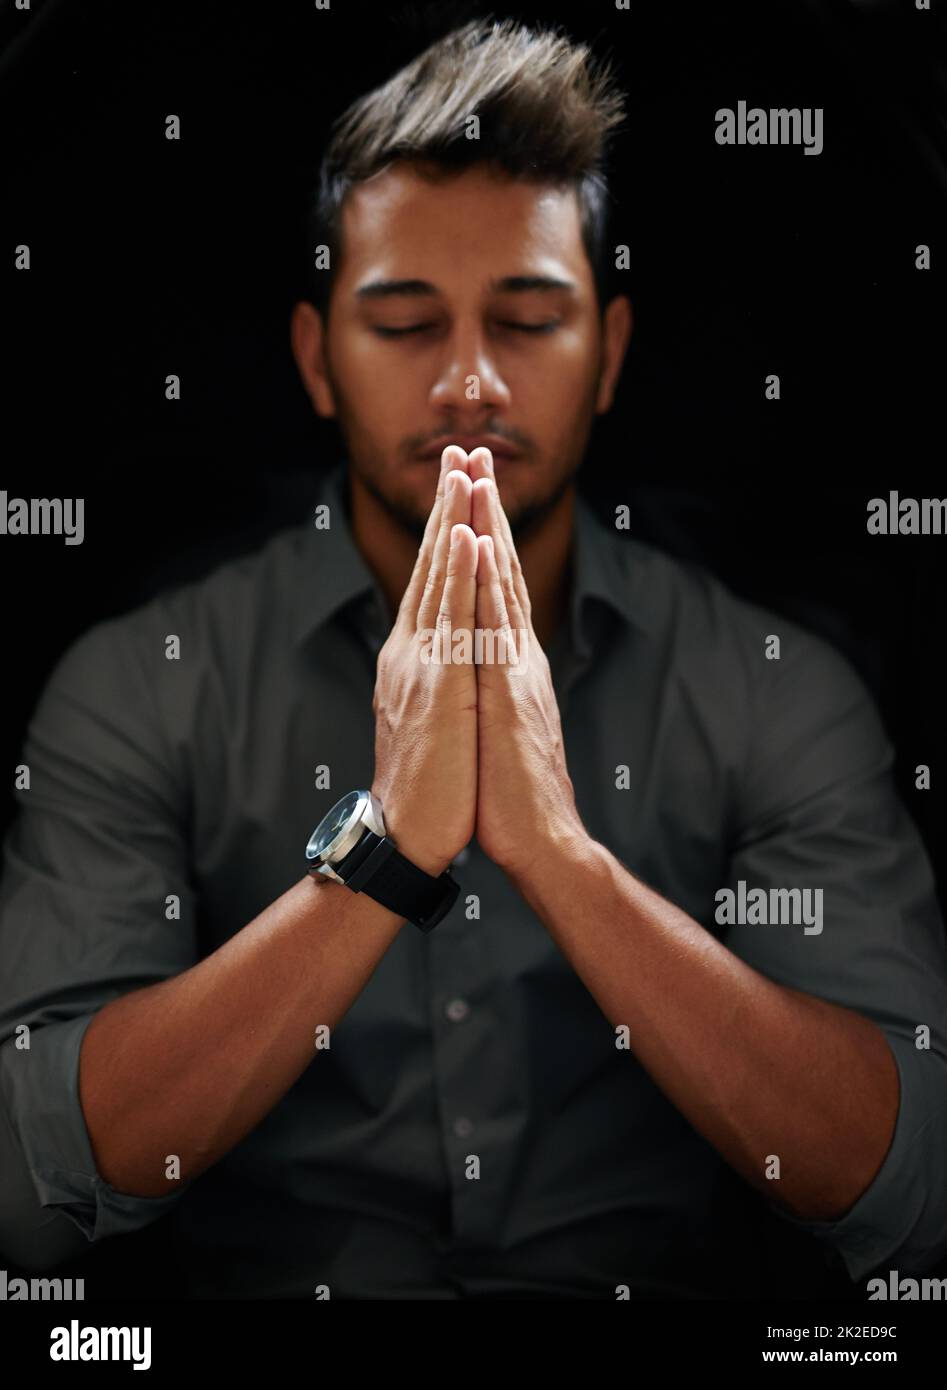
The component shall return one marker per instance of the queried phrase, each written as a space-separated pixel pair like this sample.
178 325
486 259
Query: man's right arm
120 1049
189 1066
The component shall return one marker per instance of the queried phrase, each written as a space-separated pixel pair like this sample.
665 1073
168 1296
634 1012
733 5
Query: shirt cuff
40 1087
902 1215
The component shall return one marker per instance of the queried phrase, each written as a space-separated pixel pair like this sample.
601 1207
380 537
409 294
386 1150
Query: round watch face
331 824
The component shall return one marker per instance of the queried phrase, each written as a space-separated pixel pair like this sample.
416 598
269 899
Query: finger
492 615
485 519
480 463
458 607
502 530
452 457
456 508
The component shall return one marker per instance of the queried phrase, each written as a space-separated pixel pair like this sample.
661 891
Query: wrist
422 855
557 845
427 861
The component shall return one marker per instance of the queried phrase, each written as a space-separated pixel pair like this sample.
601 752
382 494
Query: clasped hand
468 739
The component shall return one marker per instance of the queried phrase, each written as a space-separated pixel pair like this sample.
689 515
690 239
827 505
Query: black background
152 256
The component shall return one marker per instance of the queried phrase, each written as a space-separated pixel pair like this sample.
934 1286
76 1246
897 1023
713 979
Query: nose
468 373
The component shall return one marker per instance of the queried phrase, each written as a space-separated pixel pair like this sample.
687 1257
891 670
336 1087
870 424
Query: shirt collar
607 571
336 573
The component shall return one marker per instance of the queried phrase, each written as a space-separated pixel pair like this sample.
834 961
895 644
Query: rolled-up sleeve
95 901
819 810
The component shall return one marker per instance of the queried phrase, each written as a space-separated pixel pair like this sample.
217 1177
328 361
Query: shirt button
457 1009
463 1127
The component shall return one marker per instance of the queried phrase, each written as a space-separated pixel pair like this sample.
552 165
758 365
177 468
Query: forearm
189 1066
757 1068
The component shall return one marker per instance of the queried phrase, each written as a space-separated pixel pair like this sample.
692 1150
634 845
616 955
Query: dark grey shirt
197 777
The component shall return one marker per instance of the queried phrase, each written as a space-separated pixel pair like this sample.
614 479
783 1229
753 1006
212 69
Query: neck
390 552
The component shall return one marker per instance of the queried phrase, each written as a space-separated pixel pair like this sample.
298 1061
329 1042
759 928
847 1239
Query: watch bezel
366 814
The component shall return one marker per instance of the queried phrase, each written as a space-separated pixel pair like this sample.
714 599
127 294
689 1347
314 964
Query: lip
499 448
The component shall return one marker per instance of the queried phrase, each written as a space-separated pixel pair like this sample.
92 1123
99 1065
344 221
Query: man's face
464 310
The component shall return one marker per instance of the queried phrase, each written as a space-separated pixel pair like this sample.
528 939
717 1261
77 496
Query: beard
524 521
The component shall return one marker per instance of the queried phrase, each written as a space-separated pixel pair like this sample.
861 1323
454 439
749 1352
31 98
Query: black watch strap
375 867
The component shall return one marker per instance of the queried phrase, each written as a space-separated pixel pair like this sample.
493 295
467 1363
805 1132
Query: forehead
474 225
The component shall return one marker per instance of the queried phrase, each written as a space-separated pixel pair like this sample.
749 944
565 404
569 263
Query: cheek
557 384
377 388
361 363
579 351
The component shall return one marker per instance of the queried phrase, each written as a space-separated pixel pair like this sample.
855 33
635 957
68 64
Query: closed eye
385 332
533 327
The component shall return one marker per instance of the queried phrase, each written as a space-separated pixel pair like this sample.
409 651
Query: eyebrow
379 289
510 284
522 283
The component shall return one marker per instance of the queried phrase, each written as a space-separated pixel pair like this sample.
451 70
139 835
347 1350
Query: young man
670 1036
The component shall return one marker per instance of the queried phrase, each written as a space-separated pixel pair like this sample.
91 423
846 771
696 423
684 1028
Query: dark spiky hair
546 110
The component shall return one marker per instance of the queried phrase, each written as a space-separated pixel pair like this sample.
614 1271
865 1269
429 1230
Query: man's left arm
772 1043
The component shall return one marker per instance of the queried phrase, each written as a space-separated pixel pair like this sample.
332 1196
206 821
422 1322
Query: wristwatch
351 846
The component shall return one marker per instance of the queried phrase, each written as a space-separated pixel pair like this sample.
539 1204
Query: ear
617 327
307 338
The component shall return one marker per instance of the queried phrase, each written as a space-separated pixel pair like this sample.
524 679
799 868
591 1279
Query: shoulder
763 680
214 612
167 669
712 631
